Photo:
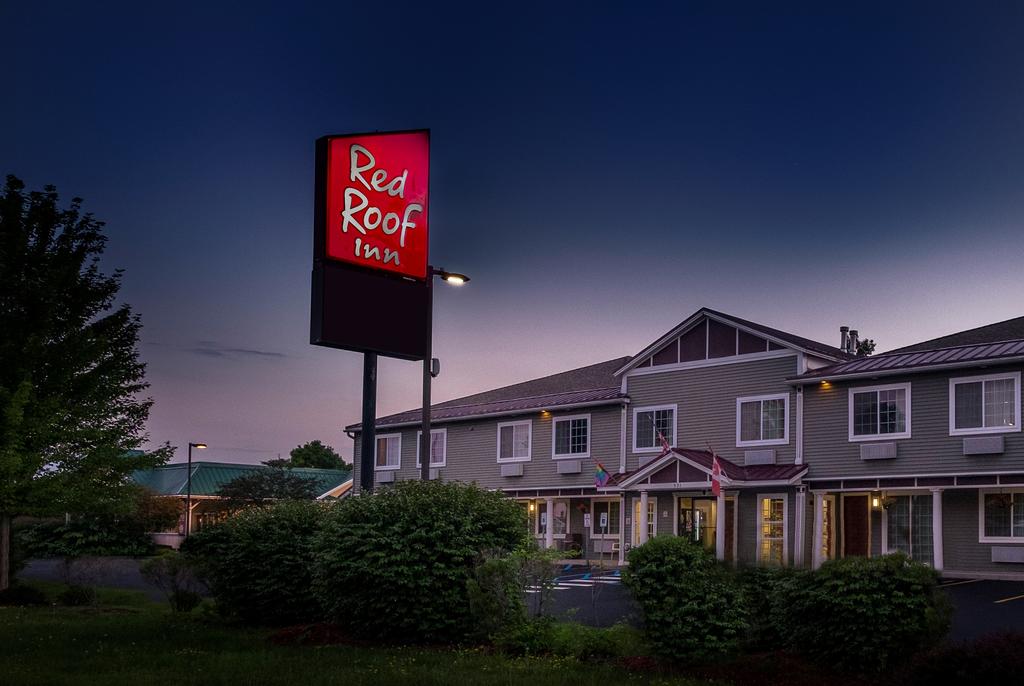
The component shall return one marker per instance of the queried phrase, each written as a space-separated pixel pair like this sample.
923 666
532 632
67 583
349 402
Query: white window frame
982 538
654 408
444 454
537 533
740 443
595 529
885 519
529 441
554 445
953 431
785 525
387 467
868 389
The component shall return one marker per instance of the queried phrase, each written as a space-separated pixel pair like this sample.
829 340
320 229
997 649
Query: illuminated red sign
376 197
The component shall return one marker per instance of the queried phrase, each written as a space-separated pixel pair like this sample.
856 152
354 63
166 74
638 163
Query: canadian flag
716 476
665 447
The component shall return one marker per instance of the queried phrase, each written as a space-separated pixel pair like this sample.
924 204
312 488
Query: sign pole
427 364
369 433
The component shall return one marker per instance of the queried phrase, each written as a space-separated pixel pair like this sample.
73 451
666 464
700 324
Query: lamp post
455 279
188 488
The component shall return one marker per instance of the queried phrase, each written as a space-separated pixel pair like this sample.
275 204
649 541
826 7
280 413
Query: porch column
549 528
800 527
720 526
643 517
937 528
818 539
623 531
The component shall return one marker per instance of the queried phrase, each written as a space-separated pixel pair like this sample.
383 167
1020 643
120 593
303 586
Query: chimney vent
854 341
844 339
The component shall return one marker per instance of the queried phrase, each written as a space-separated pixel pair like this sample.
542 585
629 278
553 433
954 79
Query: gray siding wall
706 399
930 449
472 451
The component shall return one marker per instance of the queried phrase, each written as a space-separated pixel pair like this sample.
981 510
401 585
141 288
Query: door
856 526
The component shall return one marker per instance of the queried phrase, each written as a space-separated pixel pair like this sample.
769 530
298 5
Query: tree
70 377
316 454
865 347
261 486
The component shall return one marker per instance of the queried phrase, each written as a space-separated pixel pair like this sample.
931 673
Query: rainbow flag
601 476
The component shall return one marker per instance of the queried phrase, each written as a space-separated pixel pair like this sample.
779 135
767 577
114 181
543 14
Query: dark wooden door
856 526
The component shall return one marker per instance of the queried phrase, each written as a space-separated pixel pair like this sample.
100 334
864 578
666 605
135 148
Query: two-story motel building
824 454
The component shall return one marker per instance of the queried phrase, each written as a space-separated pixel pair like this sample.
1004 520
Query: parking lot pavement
981 607
591 596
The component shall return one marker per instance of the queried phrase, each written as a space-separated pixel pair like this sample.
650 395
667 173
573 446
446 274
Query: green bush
77 596
495 595
257 563
765 590
865 614
85 536
19 595
174 574
692 604
395 564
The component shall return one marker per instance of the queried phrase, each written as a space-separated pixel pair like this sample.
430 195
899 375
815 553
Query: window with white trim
879 412
438 447
652 519
610 509
1001 516
388 452
984 404
514 439
908 526
571 436
772 513
648 422
559 518
762 420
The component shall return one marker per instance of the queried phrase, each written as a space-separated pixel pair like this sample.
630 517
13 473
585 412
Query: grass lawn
126 639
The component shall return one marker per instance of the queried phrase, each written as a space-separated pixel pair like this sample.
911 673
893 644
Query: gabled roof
1008 330
775 335
594 384
732 473
209 477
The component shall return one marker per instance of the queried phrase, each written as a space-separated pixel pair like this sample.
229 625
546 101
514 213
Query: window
648 422
908 526
984 404
388 452
610 511
771 530
560 518
514 440
571 436
879 412
762 420
438 447
1001 517
652 519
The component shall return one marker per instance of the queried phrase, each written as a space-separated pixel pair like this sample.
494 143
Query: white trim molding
554 445
982 538
529 441
740 443
972 431
387 467
851 392
656 448
444 447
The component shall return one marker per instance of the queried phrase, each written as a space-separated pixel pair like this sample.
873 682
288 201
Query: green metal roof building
209 477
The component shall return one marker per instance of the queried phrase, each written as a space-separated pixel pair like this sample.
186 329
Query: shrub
19 595
495 595
257 563
172 573
992 659
85 536
395 564
865 614
692 604
76 596
765 590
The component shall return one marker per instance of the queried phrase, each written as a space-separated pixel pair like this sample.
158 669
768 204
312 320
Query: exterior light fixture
453 278
532 506
876 501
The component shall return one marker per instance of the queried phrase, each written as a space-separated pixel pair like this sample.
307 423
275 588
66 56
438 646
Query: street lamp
188 490
454 279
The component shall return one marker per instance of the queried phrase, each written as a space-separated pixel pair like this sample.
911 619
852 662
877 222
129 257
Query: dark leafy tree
865 347
267 485
316 454
70 377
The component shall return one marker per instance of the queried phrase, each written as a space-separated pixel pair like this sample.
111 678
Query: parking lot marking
958 583
1006 600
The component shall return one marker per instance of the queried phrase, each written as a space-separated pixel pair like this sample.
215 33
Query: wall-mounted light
876 501
532 506
825 383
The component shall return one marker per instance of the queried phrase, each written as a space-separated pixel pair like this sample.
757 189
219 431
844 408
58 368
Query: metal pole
369 432
427 363
188 494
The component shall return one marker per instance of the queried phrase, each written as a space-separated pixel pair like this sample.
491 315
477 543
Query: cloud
215 349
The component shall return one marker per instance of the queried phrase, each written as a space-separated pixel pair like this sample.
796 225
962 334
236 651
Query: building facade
823 453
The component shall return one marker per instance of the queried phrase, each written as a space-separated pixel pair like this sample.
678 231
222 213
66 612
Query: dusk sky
599 173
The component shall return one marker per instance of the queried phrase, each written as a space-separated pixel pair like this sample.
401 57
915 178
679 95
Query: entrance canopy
682 468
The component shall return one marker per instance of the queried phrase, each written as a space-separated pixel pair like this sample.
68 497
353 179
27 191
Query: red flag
716 476
665 447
